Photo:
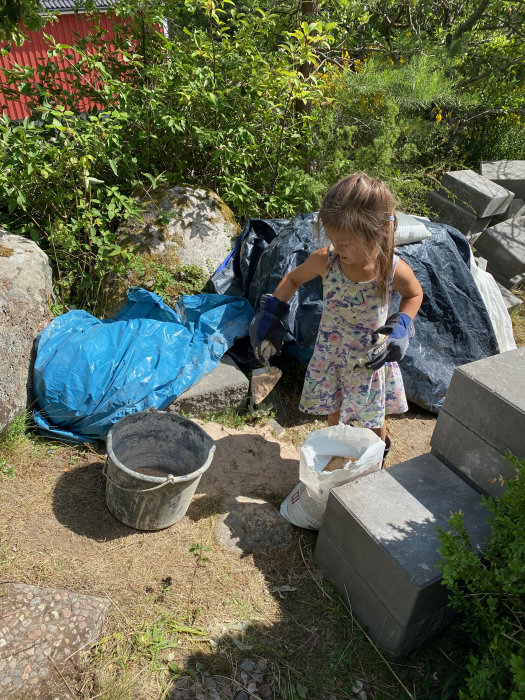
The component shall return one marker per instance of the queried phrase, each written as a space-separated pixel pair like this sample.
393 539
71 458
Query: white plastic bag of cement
330 457
302 509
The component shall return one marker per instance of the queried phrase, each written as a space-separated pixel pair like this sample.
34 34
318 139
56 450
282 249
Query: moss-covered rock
181 238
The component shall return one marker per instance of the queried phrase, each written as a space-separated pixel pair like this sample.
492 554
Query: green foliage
489 592
13 12
56 187
211 106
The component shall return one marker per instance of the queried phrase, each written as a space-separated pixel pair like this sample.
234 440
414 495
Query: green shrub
489 592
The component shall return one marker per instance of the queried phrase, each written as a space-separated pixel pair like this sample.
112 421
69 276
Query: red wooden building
33 52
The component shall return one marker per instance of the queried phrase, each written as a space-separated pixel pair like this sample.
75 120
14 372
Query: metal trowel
265 378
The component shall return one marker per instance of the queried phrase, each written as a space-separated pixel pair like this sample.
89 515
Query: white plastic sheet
493 300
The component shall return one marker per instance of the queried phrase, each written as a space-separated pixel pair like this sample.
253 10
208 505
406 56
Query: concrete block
482 417
488 397
503 245
378 544
455 215
222 388
511 300
481 263
507 173
516 208
469 456
475 192
503 280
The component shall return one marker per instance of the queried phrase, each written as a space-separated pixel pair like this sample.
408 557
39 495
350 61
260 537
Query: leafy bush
210 106
489 592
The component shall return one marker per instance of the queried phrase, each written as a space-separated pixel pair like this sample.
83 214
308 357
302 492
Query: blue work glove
400 330
267 325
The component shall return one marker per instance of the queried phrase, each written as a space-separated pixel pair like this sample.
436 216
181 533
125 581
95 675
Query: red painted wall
33 52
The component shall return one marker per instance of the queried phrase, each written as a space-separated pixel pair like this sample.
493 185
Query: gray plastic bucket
172 450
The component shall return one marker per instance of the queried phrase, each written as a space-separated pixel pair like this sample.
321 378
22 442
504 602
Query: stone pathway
40 630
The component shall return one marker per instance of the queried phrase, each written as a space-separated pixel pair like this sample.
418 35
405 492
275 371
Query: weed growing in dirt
238 418
6 469
15 432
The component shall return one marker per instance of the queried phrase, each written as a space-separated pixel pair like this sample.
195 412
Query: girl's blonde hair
362 208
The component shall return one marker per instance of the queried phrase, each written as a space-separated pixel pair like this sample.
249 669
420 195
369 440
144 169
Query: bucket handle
169 480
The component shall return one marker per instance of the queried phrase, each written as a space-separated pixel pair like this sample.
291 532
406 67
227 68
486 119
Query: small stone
241 695
247 665
262 665
251 688
265 691
277 428
357 686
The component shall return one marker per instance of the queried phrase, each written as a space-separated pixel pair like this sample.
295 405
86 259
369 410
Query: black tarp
452 327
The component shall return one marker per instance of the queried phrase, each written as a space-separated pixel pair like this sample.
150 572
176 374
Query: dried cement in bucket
155 460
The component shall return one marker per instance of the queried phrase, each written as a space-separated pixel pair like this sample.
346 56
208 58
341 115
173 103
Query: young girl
360 274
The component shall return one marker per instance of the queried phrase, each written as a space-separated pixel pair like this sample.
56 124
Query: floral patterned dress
352 311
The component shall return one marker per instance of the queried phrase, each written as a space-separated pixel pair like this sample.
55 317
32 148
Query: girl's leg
381 432
333 418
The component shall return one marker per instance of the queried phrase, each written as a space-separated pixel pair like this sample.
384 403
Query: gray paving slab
224 387
511 300
476 193
383 528
40 630
503 245
507 173
448 212
488 398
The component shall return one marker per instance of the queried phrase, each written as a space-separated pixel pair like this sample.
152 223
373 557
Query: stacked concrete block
482 417
503 245
511 300
468 201
507 173
378 544
465 220
378 541
516 208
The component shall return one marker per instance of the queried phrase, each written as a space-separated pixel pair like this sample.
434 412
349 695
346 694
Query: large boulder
181 238
26 286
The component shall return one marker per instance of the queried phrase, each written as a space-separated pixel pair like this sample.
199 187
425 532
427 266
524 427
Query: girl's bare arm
313 266
406 284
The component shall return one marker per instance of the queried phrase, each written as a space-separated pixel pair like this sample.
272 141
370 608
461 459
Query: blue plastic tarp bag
90 373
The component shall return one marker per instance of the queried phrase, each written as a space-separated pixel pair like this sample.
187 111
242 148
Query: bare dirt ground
56 531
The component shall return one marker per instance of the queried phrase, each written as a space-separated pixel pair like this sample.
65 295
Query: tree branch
467 25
